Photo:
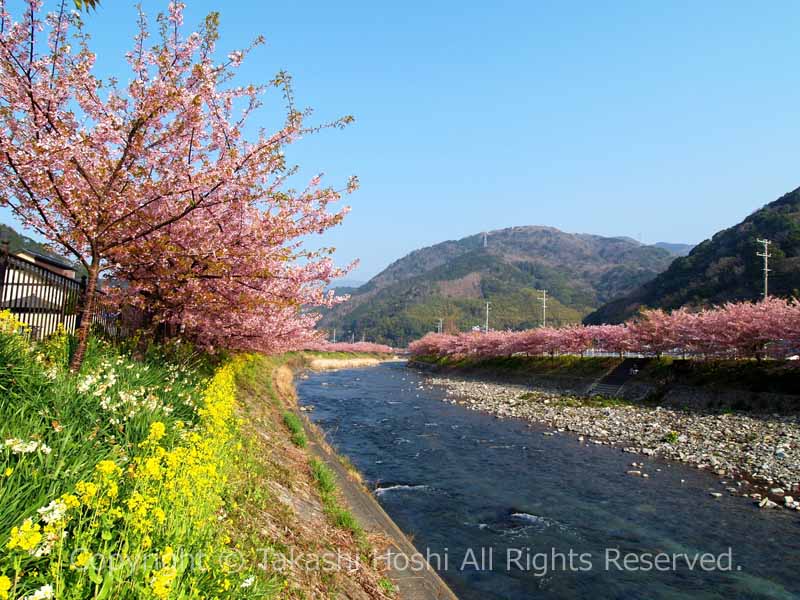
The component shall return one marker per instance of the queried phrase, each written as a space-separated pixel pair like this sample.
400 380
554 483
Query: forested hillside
725 267
453 280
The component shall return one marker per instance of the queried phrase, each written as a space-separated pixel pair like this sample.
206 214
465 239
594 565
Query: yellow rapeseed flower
162 582
152 466
8 472
159 515
157 431
5 586
82 559
108 468
26 537
70 501
86 490
113 490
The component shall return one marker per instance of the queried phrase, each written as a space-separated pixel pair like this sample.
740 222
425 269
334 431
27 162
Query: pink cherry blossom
156 183
734 330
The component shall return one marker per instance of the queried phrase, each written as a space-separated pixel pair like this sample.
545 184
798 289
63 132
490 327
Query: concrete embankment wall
672 390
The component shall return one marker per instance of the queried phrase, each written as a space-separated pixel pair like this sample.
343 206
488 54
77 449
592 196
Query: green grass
671 437
324 477
337 514
295 426
573 401
343 519
43 401
387 586
130 428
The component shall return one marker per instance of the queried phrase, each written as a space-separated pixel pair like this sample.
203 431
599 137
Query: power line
766 256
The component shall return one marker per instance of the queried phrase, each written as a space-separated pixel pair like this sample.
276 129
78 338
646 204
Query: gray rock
764 448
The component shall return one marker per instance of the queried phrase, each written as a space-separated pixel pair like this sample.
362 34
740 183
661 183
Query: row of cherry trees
735 330
158 180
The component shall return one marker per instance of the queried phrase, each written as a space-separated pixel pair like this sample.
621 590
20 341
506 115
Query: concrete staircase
604 389
612 383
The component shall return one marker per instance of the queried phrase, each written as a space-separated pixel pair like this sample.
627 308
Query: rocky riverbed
754 456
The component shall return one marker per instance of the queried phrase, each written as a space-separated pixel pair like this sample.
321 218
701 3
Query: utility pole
485 239
334 335
488 304
440 326
353 337
766 256
543 299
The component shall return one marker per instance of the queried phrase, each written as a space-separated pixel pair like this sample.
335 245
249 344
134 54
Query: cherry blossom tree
117 175
240 279
653 332
741 330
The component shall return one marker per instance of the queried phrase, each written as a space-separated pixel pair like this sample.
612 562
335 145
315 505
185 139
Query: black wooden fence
41 294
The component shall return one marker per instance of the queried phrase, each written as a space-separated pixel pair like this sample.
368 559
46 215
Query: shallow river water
507 512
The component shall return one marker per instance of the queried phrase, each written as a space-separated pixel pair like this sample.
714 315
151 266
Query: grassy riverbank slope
523 366
163 476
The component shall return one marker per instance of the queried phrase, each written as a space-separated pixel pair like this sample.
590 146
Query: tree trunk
87 310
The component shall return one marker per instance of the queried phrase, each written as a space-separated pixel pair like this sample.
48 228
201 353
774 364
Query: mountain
724 268
347 283
453 280
17 241
675 249
345 286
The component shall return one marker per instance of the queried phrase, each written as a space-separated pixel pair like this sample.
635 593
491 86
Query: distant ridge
676 249
453 280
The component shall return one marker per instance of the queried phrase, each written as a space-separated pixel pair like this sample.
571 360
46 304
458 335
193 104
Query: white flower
19 446
248 582
53 512
86 383
43 593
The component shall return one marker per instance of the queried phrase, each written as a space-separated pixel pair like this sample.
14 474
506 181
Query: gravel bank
332 364
755 456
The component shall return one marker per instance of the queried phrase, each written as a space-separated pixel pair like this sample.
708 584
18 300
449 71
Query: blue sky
666 120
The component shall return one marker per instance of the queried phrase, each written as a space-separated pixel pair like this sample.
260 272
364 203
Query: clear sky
666 120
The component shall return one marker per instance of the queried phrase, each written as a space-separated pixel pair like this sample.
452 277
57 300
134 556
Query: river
508 513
